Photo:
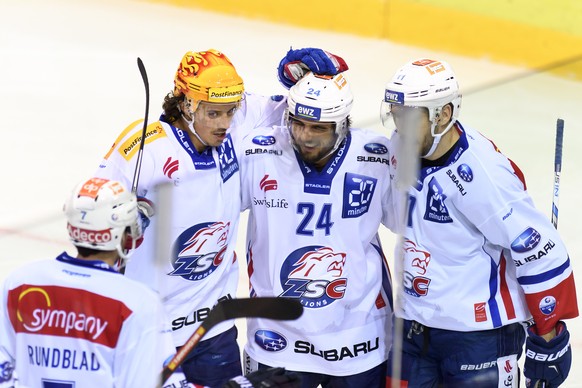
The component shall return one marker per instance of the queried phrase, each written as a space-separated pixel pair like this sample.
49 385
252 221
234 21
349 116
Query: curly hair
171 107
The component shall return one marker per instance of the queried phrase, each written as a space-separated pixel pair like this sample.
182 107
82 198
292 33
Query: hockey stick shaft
146 83
281 309
556 196
557 170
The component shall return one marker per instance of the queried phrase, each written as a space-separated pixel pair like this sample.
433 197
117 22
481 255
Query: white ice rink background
69 84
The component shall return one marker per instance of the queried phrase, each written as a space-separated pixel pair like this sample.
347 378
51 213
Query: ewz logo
307 112
313 274
199 250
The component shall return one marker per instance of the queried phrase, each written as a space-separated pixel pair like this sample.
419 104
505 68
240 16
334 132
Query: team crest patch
314 275
200 250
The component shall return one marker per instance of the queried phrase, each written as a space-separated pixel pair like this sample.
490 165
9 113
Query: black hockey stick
557 170
146 83
281 309
556 195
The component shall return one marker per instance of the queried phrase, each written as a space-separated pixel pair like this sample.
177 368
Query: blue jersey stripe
493 307
542 277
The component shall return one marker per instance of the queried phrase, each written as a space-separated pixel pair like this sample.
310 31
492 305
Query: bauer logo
307 112
263 140
547 305
376 148
465 172
271 341
199 250
394 97
526 241
313 275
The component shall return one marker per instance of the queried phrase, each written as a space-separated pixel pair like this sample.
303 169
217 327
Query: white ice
69 84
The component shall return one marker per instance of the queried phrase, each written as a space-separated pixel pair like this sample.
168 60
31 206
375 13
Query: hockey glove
298 62
266 378
547 362
146 210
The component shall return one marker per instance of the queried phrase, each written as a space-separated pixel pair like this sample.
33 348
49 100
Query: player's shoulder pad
127 143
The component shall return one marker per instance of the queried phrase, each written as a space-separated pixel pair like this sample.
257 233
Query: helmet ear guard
99 213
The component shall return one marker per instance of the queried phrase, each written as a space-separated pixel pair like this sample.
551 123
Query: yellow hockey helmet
208 76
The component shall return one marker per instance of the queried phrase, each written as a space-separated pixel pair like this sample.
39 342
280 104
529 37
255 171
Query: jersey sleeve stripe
545 276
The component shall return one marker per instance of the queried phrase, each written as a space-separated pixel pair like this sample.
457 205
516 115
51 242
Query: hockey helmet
423 83
99 212
207 76
323 98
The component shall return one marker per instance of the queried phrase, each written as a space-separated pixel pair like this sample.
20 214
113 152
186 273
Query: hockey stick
146 83
557 170
281 309
556 196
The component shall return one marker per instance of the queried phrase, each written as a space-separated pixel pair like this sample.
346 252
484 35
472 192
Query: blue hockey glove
266 378
547 362
298 62
146 210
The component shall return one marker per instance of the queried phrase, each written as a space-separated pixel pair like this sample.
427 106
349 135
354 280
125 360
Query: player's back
75 323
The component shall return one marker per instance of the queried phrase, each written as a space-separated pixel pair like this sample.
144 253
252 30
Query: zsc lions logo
313 274
526 241
270 341
376 148
199 250
264 140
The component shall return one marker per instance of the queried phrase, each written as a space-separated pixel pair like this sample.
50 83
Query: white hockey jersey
77 323
200 268
477 253
313 236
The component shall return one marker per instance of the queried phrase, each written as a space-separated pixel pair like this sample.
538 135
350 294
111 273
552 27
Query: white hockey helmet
322 98
99 212
423 83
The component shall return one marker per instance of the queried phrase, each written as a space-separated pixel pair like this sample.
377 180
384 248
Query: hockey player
479 259
191 146
318 191
75 321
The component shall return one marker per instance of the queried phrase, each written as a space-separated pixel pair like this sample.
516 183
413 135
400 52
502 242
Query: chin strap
190 122
436 137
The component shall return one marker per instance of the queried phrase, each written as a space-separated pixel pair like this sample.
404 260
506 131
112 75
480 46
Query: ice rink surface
69 84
